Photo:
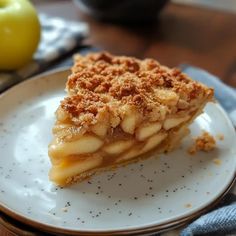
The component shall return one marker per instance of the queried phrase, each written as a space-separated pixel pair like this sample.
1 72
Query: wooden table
183 34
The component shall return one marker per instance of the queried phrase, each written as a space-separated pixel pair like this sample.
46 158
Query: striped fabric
58 38
221 221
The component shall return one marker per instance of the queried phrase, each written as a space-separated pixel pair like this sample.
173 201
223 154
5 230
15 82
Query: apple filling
104 146
117 110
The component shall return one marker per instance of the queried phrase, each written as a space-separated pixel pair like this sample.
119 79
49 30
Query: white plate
151 194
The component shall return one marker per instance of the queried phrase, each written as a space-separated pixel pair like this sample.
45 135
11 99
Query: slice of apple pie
117 109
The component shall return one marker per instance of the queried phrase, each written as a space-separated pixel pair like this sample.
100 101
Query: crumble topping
204 142
101 82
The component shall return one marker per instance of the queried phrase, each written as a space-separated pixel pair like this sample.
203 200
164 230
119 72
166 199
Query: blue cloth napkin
221 221
58 38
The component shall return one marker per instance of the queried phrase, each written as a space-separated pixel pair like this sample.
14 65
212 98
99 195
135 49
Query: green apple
19 33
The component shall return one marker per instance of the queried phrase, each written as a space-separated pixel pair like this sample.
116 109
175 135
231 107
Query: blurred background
228 5
196 32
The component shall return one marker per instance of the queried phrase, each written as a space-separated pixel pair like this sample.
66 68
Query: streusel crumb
204 142
101 82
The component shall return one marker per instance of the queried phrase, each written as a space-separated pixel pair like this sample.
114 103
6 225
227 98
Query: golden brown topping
103 82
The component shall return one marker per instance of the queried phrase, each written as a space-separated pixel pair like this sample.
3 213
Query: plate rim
135 230
33 78
149 229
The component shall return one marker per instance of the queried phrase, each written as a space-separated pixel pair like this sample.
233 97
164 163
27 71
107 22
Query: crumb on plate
205 142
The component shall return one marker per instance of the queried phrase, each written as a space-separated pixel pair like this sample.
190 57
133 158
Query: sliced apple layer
118 109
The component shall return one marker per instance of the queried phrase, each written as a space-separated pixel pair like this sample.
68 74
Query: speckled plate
150 195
